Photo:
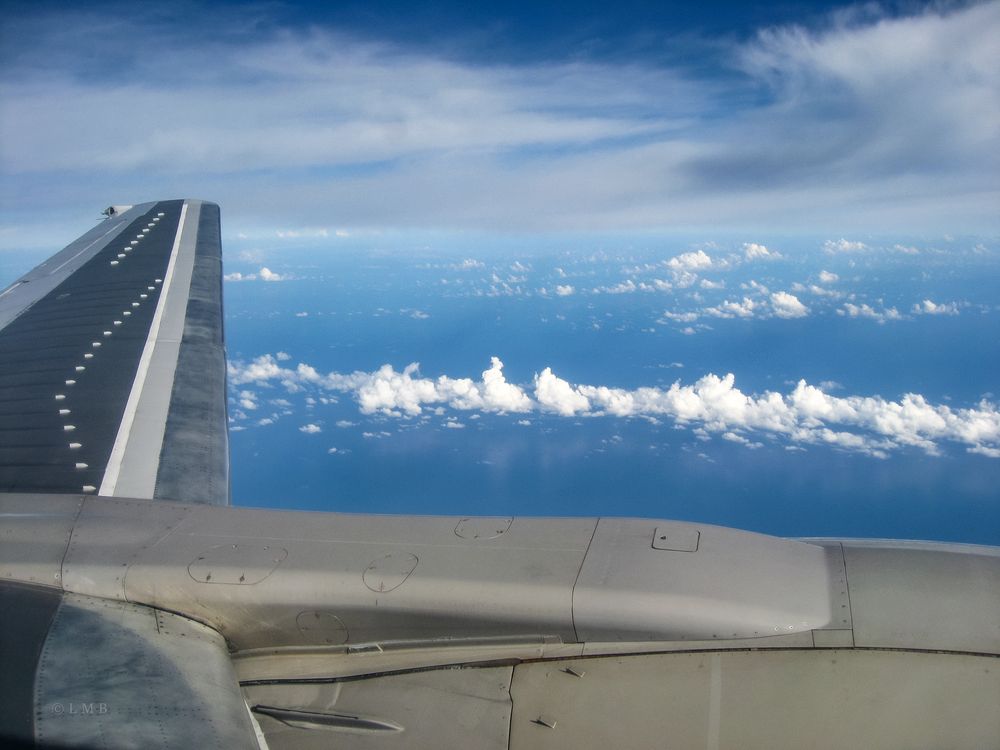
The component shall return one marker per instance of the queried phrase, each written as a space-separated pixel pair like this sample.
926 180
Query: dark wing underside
112 363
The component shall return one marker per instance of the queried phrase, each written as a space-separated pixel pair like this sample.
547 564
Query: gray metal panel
384 578
736 585
922 598
108 537
194 461
746 700
34 534
25 615
115 675
456 708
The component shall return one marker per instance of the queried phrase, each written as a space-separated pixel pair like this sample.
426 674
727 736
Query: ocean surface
620 312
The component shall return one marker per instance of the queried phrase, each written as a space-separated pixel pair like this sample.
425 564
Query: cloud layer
711 405
839 125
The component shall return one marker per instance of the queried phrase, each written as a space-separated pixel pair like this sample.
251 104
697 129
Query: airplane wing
112 364
136 612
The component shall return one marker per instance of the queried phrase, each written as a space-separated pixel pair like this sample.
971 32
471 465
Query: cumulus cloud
559 396
732 309
266 274
248 400
695 261
564 290
787 305
867 311
928 307
711 405
310 429
753 251
827 277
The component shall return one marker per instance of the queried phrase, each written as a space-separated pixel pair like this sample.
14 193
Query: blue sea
345 304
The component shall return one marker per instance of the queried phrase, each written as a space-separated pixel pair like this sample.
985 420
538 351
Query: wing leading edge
112 362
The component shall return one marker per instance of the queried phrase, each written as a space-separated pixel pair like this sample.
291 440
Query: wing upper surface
112 363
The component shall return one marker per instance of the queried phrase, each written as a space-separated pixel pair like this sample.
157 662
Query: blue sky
530 118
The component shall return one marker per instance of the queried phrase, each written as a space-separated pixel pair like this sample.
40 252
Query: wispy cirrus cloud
806 415
281 123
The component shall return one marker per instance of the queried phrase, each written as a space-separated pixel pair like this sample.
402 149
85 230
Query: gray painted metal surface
254 574
327 597
467 708
115 675
24 625
711 583
194 459
771 699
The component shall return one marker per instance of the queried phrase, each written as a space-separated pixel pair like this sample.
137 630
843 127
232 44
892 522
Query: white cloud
564 290
267 274
283 356
787 305
867 311
390 392
261 120
753 251
624 287
927 307
419 315
451 425
344 423
827 277
695 261
237 276
682 317
555 394
711 405
306 233
844 246
730 309
818 290
310 429
248 400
